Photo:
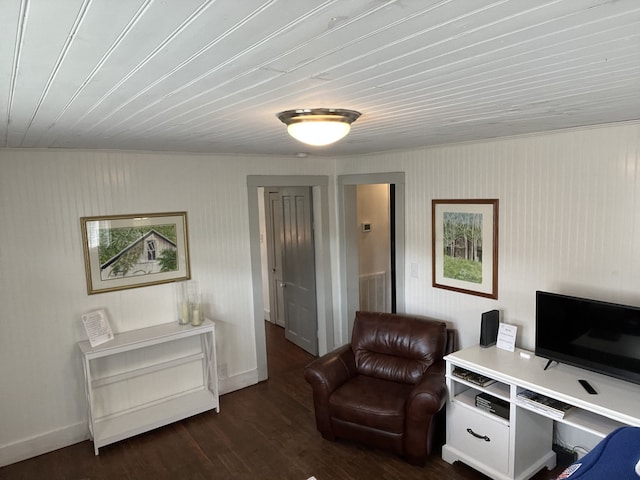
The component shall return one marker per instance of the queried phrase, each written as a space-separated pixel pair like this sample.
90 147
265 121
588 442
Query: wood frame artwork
128 251
464 247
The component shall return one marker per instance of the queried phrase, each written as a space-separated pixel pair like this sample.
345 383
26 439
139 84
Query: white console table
142 383
518 447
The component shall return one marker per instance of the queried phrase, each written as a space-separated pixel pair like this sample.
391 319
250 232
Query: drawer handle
481 437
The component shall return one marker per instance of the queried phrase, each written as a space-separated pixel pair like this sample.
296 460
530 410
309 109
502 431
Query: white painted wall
569 222
374 246
43 194
569 219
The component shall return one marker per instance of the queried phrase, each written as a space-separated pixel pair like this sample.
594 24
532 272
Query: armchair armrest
331 370
425 401
325 374
430 393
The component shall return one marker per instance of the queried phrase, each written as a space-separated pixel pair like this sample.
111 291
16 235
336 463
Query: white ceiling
210 76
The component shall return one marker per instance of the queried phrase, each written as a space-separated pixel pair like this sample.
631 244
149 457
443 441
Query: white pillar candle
185 313
195 317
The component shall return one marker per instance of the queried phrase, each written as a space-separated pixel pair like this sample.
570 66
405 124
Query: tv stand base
521 435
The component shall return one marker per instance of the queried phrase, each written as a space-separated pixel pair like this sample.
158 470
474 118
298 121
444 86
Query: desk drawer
479 436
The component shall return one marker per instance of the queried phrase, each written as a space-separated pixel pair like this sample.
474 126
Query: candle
195 317
185 313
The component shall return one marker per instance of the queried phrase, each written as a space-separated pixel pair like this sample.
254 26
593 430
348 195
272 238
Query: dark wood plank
266 431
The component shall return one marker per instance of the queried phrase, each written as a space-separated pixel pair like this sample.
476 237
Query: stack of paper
543 404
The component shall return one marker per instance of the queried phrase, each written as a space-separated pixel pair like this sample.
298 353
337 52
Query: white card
507 337
96 324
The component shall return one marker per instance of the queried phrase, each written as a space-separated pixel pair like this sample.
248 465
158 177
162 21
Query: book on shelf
461 372
549 406
491 404
472 377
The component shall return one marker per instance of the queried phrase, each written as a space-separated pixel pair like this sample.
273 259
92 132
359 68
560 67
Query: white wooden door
298 268
273 216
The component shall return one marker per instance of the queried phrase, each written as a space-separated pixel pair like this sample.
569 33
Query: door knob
283 285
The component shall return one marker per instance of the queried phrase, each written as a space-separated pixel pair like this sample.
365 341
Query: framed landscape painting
465 246
127 251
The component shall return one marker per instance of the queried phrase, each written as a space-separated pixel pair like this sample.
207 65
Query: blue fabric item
615 457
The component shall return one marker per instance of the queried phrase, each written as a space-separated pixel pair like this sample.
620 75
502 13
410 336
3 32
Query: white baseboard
237 382
65 436
79 432
39 444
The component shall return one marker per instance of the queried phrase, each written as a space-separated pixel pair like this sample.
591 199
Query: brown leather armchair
386 388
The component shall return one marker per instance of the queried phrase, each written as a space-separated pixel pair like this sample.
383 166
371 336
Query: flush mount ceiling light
318 126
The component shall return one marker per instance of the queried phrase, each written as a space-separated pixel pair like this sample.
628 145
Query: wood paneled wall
569 222
569 219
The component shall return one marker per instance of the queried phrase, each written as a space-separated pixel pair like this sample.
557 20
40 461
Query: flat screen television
599 336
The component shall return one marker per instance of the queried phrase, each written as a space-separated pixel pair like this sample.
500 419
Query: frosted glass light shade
318 126
318 133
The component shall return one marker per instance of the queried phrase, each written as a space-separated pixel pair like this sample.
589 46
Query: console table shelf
160 409
517 447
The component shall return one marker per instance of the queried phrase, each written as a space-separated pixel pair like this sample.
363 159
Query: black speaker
489 328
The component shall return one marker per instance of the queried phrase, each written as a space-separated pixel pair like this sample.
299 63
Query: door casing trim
320 191
348 243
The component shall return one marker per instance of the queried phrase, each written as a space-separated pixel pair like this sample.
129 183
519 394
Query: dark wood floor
266 431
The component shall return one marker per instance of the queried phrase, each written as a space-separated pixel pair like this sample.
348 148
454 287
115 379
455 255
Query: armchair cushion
371 402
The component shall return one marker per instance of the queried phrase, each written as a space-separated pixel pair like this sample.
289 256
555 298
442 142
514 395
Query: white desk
163 401
520 446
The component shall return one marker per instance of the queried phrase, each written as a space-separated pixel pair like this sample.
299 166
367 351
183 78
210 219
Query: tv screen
599 336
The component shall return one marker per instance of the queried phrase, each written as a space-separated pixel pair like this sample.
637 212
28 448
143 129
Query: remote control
587 386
